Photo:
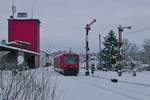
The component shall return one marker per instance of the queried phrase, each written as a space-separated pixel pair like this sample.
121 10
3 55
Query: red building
26 31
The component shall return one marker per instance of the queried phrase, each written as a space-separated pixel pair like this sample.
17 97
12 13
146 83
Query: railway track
121 81
127 82
114 88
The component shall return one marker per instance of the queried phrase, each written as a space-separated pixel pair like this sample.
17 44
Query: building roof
24 19
11 48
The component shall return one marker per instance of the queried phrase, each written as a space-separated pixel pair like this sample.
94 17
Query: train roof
66 54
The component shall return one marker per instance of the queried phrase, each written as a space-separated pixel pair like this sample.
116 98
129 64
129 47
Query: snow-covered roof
17 49
18 41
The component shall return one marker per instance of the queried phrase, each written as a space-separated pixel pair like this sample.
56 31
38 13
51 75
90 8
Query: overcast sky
63 21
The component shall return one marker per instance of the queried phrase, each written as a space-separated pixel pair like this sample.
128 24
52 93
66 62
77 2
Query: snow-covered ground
81 87
100 86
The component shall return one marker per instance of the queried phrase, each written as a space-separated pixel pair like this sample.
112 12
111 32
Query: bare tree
130 51
146 52
28 85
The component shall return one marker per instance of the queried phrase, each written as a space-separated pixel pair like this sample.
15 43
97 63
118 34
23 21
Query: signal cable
139 30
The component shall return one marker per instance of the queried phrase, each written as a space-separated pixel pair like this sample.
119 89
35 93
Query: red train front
67 63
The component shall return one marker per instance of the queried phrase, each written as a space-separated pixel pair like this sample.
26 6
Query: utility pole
87 28
70 50
120 43
100 63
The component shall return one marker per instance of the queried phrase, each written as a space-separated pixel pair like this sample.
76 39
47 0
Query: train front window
70 59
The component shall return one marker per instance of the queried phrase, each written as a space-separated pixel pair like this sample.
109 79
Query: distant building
45 59
92 58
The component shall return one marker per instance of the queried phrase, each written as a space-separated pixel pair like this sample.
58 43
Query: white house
44 59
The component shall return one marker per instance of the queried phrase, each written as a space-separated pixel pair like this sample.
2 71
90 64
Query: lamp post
120 43
87 28
100 61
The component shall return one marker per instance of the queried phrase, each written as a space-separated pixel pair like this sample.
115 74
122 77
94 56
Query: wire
139 30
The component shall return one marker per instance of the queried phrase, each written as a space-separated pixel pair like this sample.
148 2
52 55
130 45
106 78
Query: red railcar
67 63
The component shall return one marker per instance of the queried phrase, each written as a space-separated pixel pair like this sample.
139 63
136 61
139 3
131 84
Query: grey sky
63 21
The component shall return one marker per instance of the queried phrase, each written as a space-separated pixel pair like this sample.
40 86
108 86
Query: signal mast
120 43
87 28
